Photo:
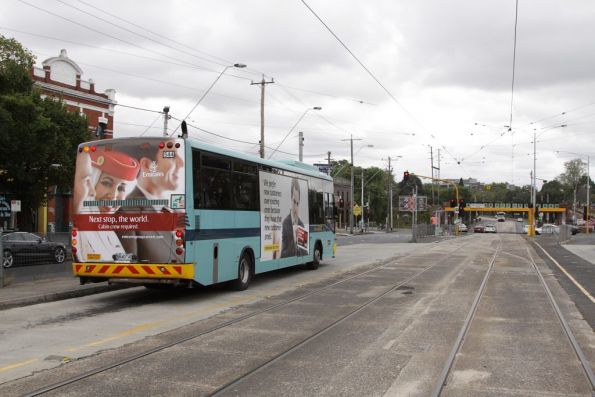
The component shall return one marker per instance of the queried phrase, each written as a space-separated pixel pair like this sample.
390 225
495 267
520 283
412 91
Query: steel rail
296 346
466 326
577 349
228 323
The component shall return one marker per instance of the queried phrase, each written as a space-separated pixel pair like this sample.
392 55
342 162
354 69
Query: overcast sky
447 65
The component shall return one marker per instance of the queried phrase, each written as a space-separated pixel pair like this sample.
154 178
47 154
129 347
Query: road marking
578 285
389 344
17 365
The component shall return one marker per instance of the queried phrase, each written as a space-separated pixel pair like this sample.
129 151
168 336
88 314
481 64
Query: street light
235 65
292 128
390 194
533 222
588 187
363 206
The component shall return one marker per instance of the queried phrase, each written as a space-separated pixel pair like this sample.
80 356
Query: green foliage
34 133
15 65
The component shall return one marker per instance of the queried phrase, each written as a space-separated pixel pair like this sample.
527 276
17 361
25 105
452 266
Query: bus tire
316 256
244 272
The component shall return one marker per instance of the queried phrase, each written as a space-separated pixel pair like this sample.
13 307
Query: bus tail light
179 242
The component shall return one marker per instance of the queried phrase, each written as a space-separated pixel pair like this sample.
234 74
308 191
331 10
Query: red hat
117 164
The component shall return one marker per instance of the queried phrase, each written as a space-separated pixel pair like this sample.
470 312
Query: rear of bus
129 212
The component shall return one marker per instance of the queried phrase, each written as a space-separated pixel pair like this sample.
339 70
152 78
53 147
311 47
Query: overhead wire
380 83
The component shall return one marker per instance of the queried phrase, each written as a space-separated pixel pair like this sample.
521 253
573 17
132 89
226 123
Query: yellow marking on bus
271 247
17 365
578 285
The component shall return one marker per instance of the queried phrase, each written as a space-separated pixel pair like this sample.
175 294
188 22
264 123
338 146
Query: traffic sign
357 210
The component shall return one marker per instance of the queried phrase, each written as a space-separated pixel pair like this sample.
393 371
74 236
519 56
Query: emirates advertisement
129 201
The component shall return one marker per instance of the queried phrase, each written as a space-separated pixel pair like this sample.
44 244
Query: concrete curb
62 295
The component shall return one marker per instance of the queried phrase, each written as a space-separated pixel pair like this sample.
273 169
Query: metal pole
262 84
390 194
165 119
329 162
363 206
301 145
351 201
1 261
432 166
588 194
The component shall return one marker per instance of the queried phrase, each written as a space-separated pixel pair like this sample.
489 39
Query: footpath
47 283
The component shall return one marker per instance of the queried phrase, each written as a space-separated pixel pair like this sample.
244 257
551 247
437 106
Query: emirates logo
152 171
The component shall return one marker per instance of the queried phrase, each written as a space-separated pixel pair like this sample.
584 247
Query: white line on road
578 285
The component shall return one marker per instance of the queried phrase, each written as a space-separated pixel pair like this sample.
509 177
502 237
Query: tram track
88 374
441 382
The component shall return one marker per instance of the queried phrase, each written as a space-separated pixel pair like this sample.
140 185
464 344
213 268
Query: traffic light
341 202
585 213
453 203
461 206
536 211
406 176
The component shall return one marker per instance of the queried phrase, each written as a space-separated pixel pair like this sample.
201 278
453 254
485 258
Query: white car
520 220
547 228
490 228
462 228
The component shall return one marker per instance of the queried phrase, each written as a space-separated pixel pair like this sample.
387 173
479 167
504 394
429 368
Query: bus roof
289 165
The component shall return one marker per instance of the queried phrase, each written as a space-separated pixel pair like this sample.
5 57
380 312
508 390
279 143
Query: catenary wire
380 84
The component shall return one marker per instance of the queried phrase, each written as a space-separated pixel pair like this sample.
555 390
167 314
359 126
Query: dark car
478 229
27 247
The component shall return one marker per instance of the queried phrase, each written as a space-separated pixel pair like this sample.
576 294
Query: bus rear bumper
144 272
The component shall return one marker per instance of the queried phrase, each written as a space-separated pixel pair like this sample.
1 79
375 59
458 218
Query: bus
500 216
165 212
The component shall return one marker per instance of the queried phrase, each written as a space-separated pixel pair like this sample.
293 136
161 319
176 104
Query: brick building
61 77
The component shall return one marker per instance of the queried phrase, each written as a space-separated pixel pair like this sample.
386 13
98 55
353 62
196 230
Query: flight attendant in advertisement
102 176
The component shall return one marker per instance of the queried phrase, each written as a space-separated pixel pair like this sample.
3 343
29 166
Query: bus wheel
244 273
315 258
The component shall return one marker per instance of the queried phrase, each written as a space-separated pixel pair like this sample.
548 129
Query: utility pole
165 119
432 165
390 196
351 198
328 154
363 206
301 145
262 84
588 194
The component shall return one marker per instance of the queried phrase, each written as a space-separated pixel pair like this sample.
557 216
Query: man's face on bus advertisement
172 169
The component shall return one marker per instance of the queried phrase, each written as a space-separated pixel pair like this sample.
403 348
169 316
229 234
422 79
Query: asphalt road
396 345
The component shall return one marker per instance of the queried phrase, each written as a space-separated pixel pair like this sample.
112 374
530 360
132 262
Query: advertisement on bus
284 216
129 201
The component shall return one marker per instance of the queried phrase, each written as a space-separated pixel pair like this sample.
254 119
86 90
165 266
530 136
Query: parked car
547 228
478 229
520 220
28 247
490 228
526 230
463 228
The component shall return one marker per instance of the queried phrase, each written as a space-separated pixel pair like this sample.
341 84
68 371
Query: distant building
61 77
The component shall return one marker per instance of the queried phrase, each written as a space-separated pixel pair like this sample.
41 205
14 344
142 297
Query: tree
38 137
574 171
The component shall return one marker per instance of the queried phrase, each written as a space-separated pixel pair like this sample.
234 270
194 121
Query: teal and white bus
176 211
